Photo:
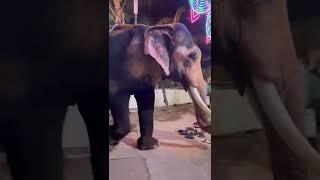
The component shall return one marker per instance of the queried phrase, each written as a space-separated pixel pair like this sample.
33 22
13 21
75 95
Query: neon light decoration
208 28
208 25
208 40
194 16
200 6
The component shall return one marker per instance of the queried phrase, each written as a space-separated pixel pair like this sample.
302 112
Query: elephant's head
257 47
172 47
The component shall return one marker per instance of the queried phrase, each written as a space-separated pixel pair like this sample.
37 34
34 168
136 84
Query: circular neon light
200 6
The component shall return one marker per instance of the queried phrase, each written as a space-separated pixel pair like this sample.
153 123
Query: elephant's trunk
203 113
279 117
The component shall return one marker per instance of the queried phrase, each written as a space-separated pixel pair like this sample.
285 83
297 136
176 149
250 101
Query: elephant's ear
155 44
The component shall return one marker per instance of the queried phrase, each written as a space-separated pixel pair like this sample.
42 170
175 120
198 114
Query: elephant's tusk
194 94
283 124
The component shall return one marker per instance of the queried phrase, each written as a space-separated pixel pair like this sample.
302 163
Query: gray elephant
52 56
254 42
139 57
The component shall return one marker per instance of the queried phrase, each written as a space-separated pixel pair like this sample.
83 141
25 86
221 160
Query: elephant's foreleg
145 100
33 147
94 112
120 112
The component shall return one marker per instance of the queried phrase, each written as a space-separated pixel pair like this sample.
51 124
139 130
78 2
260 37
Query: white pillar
135 11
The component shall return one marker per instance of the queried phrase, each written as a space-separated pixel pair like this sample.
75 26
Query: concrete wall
74 130
232 113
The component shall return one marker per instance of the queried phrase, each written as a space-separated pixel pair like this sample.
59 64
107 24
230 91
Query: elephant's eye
192 56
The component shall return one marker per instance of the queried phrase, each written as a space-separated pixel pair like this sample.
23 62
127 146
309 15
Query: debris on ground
191 133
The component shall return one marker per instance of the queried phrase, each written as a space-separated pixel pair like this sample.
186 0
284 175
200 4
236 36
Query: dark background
305 23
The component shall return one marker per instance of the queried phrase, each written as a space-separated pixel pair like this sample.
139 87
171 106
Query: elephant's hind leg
119 106
94 112
34 145
145 100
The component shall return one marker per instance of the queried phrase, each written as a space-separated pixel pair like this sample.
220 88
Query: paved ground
242 156
177 158
75 169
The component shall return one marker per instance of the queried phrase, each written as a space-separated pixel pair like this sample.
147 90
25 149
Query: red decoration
208 40
194 16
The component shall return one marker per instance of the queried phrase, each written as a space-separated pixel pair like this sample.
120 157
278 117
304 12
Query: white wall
75 134
232 113
74 131
174 97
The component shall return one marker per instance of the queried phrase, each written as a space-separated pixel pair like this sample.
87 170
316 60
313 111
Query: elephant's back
121 42
30 81
129 68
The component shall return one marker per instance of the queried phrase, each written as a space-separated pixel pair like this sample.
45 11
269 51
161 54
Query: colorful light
200 6
194 16
208 40
208 25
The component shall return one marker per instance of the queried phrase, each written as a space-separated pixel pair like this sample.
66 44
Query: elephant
254 43
139 57
52 56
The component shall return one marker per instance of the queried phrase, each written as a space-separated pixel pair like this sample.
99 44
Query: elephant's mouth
203 113
279 117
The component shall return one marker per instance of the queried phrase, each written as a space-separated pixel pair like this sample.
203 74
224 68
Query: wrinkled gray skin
139 56
52 55
255 45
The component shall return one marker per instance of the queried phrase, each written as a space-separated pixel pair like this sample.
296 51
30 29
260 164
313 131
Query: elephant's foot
146 143
116 134
113 142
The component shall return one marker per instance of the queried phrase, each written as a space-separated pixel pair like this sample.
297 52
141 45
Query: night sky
299 10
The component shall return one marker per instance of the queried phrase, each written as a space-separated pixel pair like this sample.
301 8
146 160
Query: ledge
174 97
